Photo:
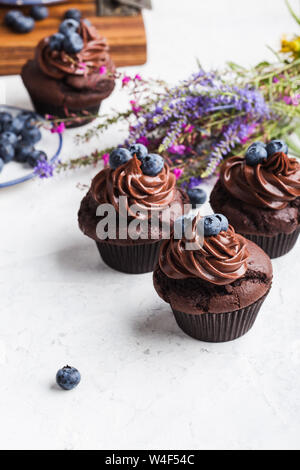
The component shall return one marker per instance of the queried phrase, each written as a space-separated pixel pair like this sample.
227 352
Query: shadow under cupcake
71 73
260 196
217 289
148 189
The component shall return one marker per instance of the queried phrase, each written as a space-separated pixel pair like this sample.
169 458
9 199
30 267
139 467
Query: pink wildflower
125 80
134 106
143 140
138 77
59 128
102 70
188 128
105 158
177 149
177 172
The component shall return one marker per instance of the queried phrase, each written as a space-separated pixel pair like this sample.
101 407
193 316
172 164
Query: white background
144 383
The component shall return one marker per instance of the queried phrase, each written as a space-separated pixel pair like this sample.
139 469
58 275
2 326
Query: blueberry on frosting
224 222
73 43
118 157
276 146
56 41
196 196
256 153
139 150
68 26
73 13
152 164
212 226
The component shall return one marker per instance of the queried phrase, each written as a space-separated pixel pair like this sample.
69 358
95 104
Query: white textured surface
145 384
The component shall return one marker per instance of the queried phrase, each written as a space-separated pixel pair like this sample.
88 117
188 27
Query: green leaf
296 18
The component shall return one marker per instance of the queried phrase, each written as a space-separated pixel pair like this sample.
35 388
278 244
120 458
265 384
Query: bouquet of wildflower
209 116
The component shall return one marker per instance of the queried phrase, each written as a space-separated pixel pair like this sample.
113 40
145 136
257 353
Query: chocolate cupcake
260 196
143 202
216 289
71 73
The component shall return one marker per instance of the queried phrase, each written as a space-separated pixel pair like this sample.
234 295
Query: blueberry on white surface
73 43
68 26
34 157
68 378
39 12
23 151
118 157
16 126
256 154
224 222
73 13
196 196
9 137
139 150
7 152
277 146
152 164
31 134
212 225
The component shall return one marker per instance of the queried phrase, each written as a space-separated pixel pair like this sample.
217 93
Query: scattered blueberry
68 26
56 41
1 164
23 24
182 224
68 378
31 134
118 157
39 12
35 156
5 121
73 13
7 152
11 17
139 150
212 226
197 196
256 154
23 151
277 146
73 43
9 138
152 164
224 222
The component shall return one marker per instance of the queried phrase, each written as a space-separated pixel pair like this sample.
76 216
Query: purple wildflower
44 169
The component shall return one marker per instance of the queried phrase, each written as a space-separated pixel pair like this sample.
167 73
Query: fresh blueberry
256 154
7 152
182 225
73 13
277 146
11 17
1 164
5 121
68 26
31 134
39 12
139 150
68 378
56 41
35 156
73 43
152 164
16 126
212 225
26 116
23 151
118 157
23 24
9 138
224 222
197 196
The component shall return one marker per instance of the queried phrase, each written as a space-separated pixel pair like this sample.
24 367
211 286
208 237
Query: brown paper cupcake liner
133 259
275 246
219 327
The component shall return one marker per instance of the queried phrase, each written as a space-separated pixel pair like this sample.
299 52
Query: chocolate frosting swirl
221 259
269 185
58 64
149 193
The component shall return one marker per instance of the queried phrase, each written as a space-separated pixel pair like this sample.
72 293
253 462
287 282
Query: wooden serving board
125 35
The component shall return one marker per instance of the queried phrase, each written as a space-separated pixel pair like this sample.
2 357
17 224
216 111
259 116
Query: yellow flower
291 46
